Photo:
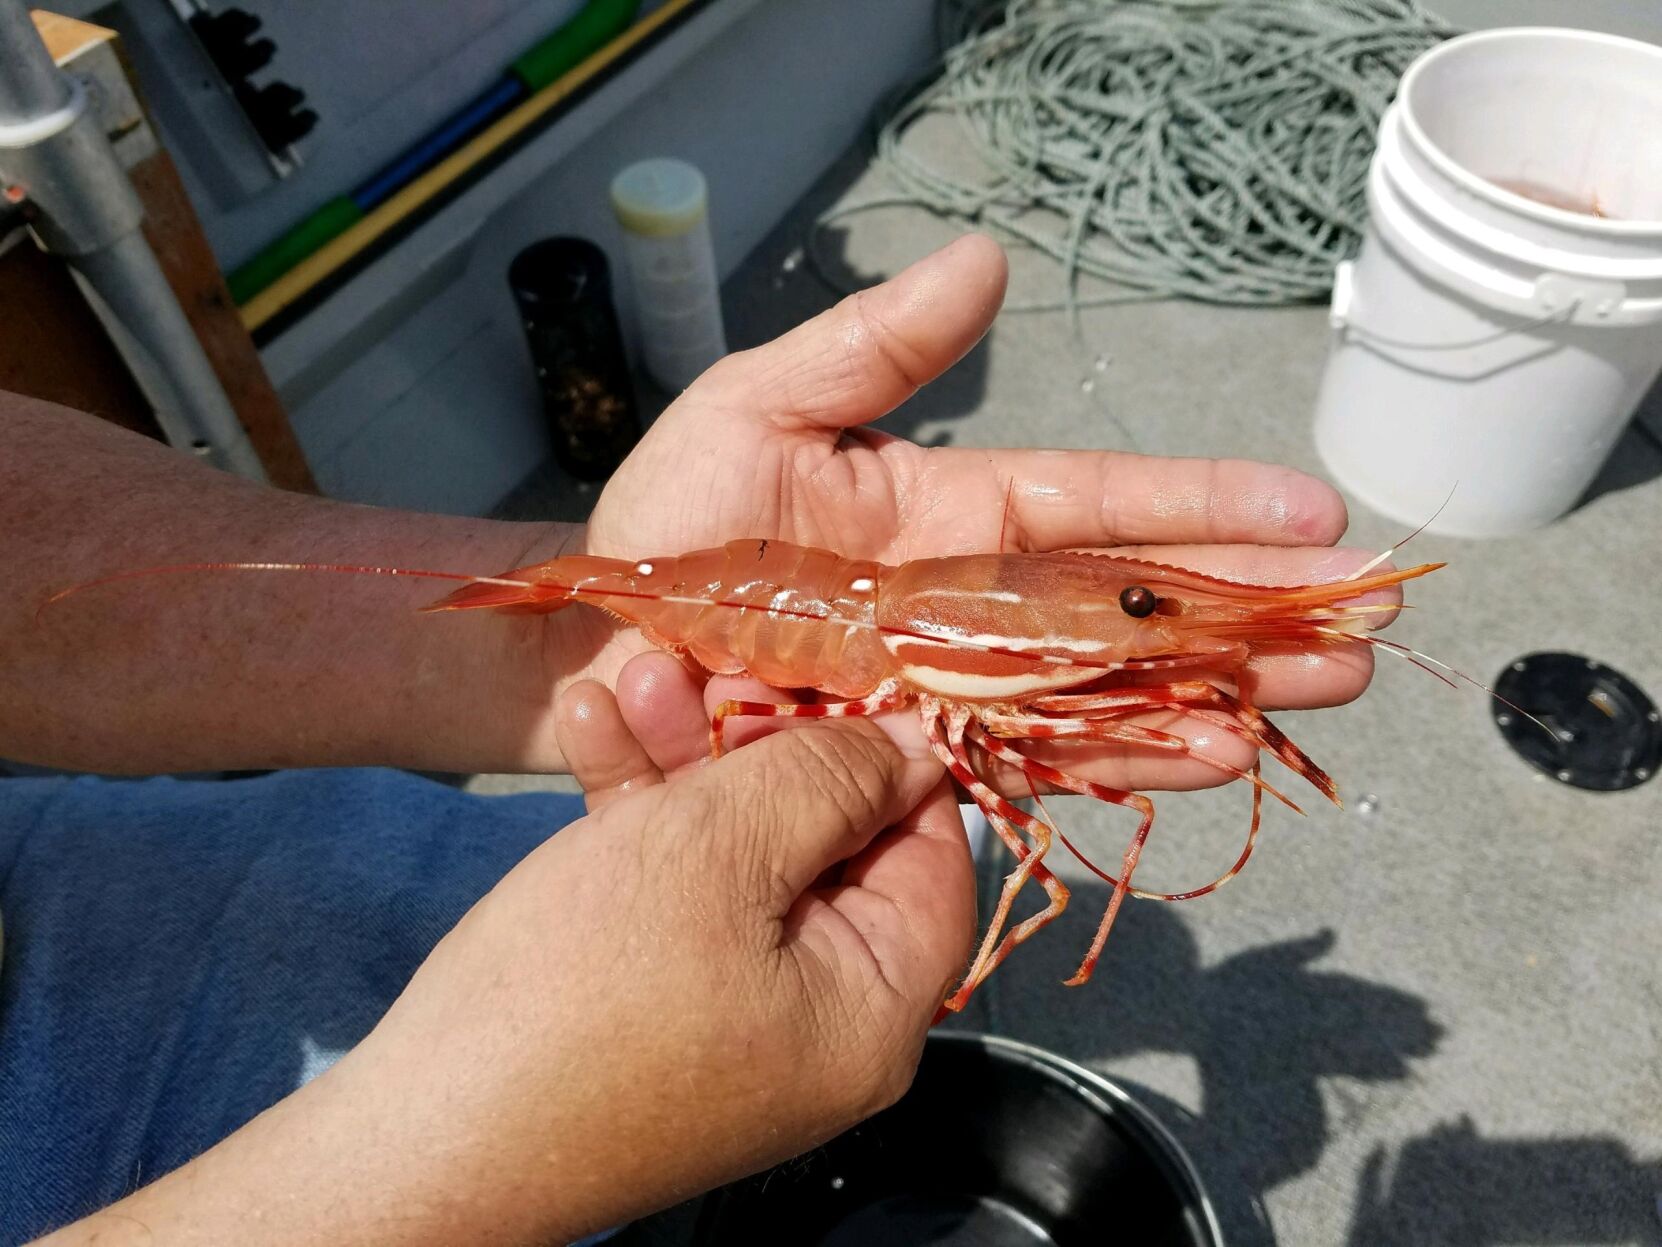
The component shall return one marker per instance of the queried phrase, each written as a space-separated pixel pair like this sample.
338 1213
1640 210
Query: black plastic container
563 287
997 1144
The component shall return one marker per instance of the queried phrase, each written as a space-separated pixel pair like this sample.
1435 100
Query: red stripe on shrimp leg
1106 731
1134 850
1036 770
1196 698
1277 742
1041 831
887 696
1003 818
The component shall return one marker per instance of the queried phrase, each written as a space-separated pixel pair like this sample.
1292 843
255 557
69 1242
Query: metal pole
82 206
30 83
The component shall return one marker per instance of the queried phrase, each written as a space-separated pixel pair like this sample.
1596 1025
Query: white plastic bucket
1489 346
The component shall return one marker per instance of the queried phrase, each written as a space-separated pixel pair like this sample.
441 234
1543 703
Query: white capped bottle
663 207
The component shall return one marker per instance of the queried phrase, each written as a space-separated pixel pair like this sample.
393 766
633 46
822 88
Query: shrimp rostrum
994 650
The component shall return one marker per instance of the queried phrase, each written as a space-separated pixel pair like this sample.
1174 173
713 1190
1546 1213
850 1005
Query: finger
662 704
789 806
602 752
872 351
910 895
1094 498
1294 677
1211 755
904 727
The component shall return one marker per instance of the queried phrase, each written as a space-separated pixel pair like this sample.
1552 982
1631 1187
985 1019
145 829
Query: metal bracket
61 165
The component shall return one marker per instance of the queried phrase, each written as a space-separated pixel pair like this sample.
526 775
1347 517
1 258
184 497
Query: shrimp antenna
1385 554
348 568
1413 655
1420 660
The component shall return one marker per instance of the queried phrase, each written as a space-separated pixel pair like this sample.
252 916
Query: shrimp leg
1195 698
1116 796
1043 773
1107 732
1004 818
887 696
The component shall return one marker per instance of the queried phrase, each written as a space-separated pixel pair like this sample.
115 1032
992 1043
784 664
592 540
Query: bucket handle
1344 295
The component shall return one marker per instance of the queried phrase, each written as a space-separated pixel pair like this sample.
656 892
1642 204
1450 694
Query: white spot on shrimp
864 584
643 569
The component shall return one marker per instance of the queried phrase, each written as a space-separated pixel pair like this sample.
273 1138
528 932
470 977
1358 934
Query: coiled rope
1204 149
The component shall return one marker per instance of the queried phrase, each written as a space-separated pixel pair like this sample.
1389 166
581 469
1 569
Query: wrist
535 657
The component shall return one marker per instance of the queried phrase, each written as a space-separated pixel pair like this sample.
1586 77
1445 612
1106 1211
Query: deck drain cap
1605 733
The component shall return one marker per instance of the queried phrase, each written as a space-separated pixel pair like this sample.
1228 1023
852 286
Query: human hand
700 979
768 443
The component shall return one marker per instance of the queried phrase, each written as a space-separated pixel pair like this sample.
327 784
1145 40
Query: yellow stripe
342 248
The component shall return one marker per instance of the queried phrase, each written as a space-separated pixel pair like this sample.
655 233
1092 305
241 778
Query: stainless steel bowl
997 1144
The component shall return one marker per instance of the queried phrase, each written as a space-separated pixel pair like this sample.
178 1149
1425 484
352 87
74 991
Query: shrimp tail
540 589
515 589
518 599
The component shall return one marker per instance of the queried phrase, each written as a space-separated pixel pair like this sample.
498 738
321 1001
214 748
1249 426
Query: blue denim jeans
180 955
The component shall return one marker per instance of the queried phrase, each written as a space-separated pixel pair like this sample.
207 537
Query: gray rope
1204 149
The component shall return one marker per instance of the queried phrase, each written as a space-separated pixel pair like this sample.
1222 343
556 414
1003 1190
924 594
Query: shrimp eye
1138 602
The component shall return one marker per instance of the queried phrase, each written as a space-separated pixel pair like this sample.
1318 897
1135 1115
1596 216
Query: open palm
770 443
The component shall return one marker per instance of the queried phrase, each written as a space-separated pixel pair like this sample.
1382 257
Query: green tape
594 26
288 249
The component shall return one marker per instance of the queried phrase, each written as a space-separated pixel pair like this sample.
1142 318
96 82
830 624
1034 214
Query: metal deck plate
1601 730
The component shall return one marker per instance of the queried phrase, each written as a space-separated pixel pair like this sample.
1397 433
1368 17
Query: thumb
871 352
790 806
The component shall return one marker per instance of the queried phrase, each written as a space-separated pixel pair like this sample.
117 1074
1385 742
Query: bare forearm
330 1166
421 1137
227 669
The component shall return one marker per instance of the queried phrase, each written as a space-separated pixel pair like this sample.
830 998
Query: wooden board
192 270
54 348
